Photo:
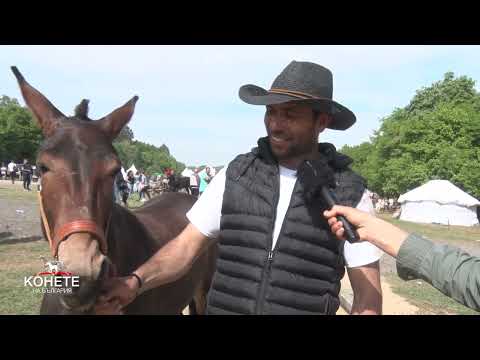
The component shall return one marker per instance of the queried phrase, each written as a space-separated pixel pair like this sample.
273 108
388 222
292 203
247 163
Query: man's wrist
388 237
137 281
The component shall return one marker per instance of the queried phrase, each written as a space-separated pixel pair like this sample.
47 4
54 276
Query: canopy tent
124 173
441 202
187 172
133 169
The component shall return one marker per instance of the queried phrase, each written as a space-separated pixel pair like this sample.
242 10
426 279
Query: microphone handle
350 234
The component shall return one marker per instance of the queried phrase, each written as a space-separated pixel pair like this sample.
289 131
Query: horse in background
178 183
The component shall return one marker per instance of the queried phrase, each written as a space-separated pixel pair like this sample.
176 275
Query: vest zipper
268 264
263 286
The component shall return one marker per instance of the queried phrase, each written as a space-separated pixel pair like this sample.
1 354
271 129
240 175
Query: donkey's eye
114 172
43 169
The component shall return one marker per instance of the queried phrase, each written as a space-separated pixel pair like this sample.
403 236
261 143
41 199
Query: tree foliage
126 134
436 136
20 138
148 157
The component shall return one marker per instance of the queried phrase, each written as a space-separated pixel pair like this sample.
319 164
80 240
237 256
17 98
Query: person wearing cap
276 252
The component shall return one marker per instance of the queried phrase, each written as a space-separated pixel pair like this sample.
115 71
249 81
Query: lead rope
45 222
106 232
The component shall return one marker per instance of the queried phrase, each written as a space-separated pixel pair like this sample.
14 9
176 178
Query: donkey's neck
129 242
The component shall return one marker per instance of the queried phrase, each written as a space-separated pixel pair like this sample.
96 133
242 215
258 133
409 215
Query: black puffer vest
302 274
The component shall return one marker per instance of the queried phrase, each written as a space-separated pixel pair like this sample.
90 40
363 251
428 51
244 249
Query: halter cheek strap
73 227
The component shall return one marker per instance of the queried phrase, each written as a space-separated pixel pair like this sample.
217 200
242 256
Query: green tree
436 136
125 135
20 136
145 156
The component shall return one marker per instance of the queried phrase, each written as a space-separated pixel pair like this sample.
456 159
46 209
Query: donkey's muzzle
85 295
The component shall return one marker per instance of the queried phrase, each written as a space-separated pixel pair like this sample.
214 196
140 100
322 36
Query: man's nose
276 123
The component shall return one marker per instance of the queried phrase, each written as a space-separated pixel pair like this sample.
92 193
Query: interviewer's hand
118 293
384 235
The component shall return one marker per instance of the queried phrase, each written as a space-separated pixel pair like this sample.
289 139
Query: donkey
93 237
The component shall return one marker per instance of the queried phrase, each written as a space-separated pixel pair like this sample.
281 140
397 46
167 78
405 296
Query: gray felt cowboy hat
306 82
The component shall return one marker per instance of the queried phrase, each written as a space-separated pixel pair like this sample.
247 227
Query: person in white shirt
195 182
3 171
143 187
12 171
276 252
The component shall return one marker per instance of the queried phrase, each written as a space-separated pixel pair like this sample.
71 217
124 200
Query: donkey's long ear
114 122
47 115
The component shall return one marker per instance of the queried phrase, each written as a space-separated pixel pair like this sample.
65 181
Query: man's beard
290 150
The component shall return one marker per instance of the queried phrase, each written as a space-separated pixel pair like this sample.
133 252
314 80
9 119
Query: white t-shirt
206 213
11 166
193 180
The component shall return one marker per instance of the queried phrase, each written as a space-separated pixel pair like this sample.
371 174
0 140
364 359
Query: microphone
322 179
350 234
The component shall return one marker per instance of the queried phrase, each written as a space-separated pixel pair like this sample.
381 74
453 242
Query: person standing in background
12 171
194 182
27 174
205 179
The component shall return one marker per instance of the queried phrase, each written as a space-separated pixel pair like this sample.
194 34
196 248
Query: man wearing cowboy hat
276 253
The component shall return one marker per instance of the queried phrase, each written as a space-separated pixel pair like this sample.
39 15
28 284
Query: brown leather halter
73 227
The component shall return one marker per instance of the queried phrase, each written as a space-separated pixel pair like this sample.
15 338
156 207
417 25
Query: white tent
441 202
133 169
187 172
124 173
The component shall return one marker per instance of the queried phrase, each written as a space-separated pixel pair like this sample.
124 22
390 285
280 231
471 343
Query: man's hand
363 221
118 293
110 308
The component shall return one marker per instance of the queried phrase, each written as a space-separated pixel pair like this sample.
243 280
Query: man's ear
323 121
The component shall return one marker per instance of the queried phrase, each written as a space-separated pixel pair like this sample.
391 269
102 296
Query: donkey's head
78 164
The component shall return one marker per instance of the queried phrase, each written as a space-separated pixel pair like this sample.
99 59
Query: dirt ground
19 216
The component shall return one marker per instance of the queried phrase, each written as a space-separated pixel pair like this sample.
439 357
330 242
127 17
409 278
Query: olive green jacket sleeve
449 269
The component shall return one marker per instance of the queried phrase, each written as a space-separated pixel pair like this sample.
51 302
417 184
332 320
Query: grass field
438 232
16 262
16 193
428 299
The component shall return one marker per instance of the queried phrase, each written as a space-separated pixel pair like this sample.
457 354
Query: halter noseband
73 227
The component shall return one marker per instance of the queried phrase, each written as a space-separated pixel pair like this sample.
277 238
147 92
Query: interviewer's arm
449 269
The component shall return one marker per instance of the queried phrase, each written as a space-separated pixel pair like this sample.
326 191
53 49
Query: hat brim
343 118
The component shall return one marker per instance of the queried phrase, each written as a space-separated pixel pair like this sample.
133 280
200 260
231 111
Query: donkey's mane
81 110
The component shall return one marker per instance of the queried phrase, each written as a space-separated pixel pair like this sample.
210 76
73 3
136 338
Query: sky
189 94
